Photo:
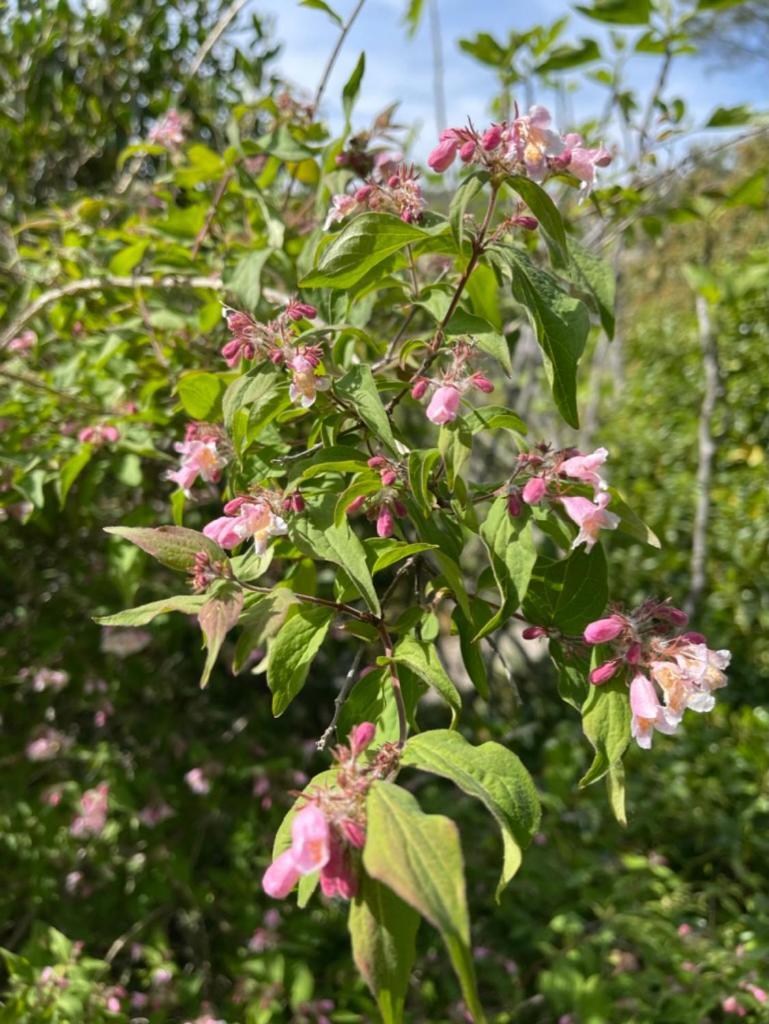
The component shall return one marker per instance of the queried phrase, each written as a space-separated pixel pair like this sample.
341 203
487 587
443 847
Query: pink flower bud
514 506
86 435
603 630
482 383
110 434
276 356
388 477
534 491
361 736
525 222
393 181
384 522
603 673
633 654
280 877
442 157
467 151
356 505
695 638
376 461
297 503
419 388
534 632
361 196
492 137
444 405
399 508
310 840
670 614
234 505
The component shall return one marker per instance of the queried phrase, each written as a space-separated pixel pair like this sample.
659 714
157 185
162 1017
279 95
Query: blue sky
401 68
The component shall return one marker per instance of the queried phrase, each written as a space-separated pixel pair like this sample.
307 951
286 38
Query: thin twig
221 188
92 284
216 32
341 697
334 55
339 606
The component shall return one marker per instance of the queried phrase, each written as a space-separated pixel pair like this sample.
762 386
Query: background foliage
662 920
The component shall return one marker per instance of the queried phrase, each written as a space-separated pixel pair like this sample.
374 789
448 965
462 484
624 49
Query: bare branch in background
439 85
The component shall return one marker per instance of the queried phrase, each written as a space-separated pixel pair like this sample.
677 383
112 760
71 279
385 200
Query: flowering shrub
317 416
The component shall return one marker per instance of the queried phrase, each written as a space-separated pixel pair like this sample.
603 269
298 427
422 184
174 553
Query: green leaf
491 773
597 277
419 857
174 546
615 784
561 323
257 387
245 283
573 674
189 604
467 190
281 143
319 5
383 931
568 593
316 534
631 523
470 649
423 660
389 551
363 244
359 388
420 466
495 345
217 617
729 117
606 723
372 700
619 12
570 55
292 651
455 443
260 623
546 212
200 394
335 459
352 87
123 262
71 470
509 542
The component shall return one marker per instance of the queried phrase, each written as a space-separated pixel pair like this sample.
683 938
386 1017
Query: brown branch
92 284
345 31
221 188
341 697
216 32
343 609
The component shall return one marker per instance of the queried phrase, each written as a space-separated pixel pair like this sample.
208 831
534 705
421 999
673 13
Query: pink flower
361 737
341 205
603 673
444 405
49 679
47 746
296 310
169 130
730 1005
25 341
647 712
310 840
224 531
305 383
198 781
281 876
482 383
534 632
492 137
385 524
154 814
93 812
199 459
584 468
590 518
337 876
583 162
534 490
419 387
603 630
442 157
689 679
244 518
757 993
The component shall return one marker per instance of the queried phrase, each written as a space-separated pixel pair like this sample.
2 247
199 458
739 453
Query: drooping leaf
293 650
200 394
619 12
606 723
570 55
573 670
320 5
383 930
217 617
255 388
189 604
420 466
422 658
465 193
455 443
509 543
363 244
419 857
71 470
246 280
568 593
561 323
546 212
596 276
174 546
316 534
494 775
359 388
352 87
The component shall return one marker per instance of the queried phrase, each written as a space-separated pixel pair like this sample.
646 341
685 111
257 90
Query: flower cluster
169 130
385 506
203 454
23 343
548 472
397 192
330 829
275 341
448 389
93 812
99 435
682 668
527 145
257 516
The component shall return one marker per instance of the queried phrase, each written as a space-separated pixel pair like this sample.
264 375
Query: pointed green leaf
174 546
352 87
606 723
568 593
217 617
509 542
189 604
422 659
293 650
546 212
419 857
359 388
200 394
363 244
596 276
